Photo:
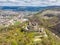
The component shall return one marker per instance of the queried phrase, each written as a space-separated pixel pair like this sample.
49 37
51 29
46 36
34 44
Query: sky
29 2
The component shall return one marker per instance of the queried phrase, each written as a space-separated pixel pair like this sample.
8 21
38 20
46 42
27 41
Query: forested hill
27 8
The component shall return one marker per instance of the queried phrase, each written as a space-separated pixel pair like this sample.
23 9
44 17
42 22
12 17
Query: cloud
3 0
14 0
29 2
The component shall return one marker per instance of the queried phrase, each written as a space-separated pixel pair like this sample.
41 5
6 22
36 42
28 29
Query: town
28 28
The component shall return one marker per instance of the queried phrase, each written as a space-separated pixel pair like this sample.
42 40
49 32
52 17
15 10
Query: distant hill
27 8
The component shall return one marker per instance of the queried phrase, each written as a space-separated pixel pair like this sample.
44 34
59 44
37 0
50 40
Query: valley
30 28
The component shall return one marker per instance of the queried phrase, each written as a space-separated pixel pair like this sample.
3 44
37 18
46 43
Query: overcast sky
29 2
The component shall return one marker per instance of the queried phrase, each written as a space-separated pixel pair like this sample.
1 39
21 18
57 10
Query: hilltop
49 18
30 28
